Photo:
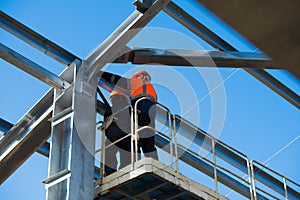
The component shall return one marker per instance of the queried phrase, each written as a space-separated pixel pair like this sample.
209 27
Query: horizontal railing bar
212 163
273 183
255 162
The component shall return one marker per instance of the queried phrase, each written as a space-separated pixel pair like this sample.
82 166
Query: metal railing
134 135
218 149
104 147
137 130
240 175
273 184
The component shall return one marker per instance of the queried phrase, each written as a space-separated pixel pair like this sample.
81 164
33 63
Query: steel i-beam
31 68
36 40
205 58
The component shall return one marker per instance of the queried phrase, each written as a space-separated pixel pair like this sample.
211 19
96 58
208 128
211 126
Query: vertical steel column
71 166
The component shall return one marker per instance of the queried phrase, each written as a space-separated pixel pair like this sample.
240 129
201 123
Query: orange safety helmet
116 92
142 75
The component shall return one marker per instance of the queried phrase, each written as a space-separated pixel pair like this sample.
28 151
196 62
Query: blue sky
257 121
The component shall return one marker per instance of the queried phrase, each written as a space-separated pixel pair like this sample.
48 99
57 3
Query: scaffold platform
151 179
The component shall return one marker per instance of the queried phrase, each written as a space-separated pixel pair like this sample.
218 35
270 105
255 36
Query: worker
117 125
137 87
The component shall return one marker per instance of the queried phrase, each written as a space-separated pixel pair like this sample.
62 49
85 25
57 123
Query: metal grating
150 179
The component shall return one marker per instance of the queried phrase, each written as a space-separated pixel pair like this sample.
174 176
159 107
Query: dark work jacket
117 81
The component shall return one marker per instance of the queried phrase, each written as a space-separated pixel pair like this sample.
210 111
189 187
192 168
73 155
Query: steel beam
213 39
25 137
36 40
205 58
24 146
31 68
26 122
196 27
276 86
5 126
109 50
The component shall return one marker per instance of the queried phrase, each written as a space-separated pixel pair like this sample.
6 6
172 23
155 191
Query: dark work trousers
119 128
146 117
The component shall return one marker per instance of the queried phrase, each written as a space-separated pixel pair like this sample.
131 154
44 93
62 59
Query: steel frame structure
59 109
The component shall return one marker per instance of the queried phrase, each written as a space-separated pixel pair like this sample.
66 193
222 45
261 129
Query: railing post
133 141
136 130
249 178
285 188
253 181
215 165
102 161
175 145
171 140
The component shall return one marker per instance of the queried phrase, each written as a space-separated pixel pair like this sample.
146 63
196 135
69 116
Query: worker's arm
116 81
